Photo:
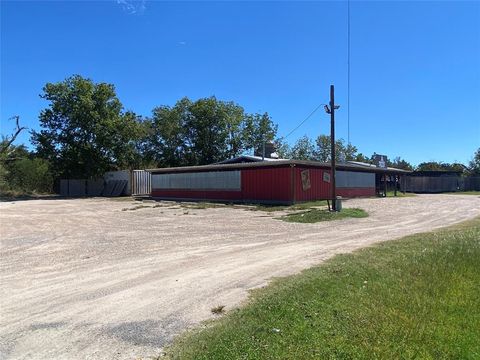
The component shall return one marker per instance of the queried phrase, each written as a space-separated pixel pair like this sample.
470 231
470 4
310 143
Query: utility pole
332 152
263 147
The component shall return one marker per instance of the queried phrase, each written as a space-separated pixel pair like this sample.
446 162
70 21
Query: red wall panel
268 184
319 189
197 194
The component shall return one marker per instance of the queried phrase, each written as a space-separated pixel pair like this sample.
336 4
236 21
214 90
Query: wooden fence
438 184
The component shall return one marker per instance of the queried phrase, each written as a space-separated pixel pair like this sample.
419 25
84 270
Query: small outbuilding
273 182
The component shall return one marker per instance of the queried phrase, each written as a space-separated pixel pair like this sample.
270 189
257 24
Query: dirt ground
89 279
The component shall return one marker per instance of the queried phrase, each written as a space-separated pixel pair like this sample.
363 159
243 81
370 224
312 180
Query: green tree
441 166
30 175
342 152
21 171
282 148
167 144
400 163
85 131
474 165
195 133
258 128
304 149
8 156
214 131
361 158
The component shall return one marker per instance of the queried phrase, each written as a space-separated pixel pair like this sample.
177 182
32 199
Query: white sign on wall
326 176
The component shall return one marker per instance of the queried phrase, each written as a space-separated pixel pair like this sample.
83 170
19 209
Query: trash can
338 203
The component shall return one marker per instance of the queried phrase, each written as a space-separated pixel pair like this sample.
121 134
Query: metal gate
141 182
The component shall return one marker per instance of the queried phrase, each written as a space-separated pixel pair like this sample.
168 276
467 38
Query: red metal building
284 181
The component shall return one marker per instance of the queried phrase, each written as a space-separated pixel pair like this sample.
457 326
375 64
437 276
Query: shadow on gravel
148 332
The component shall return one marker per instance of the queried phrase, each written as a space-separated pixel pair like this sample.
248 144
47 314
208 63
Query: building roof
277 163
367 165
246 159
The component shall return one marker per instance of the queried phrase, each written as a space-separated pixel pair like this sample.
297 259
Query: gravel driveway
88 279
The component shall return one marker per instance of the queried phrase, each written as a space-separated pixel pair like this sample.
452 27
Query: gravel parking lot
109 279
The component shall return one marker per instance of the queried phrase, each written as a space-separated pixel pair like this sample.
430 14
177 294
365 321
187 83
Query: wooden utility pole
332 152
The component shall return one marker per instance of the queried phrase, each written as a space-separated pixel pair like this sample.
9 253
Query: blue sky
415 66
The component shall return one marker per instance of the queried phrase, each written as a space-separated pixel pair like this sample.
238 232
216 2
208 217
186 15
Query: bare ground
84 279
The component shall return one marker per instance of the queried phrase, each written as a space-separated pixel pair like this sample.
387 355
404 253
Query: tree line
85 131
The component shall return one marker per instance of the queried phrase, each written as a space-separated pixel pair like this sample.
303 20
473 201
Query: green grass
317 215
13 195
256 207
400 194
414 298
204 205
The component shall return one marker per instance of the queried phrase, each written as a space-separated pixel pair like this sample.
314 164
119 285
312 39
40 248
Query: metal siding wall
120 175
353 179
268 184
349 184
141 182
319 189
432 184
215 180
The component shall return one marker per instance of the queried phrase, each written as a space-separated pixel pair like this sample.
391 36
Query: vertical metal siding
268 184
212 180
141 182
351 184
355 179
319 189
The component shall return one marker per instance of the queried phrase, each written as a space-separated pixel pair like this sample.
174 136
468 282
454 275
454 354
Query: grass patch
414 298
317 215
14 195
203 205
218 310
256 207
137 207
464 193
400 194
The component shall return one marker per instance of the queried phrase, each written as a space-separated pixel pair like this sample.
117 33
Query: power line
348 72
308 117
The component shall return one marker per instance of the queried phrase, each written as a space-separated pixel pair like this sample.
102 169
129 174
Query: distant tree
167 143
258 128
399 163
430 166
342 151
214 131
474 165
85 130
282 148
30 175
8 140
304 149
195 132
21 171
441 166
362 158
7 158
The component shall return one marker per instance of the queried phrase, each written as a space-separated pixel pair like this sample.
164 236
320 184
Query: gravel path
87 279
